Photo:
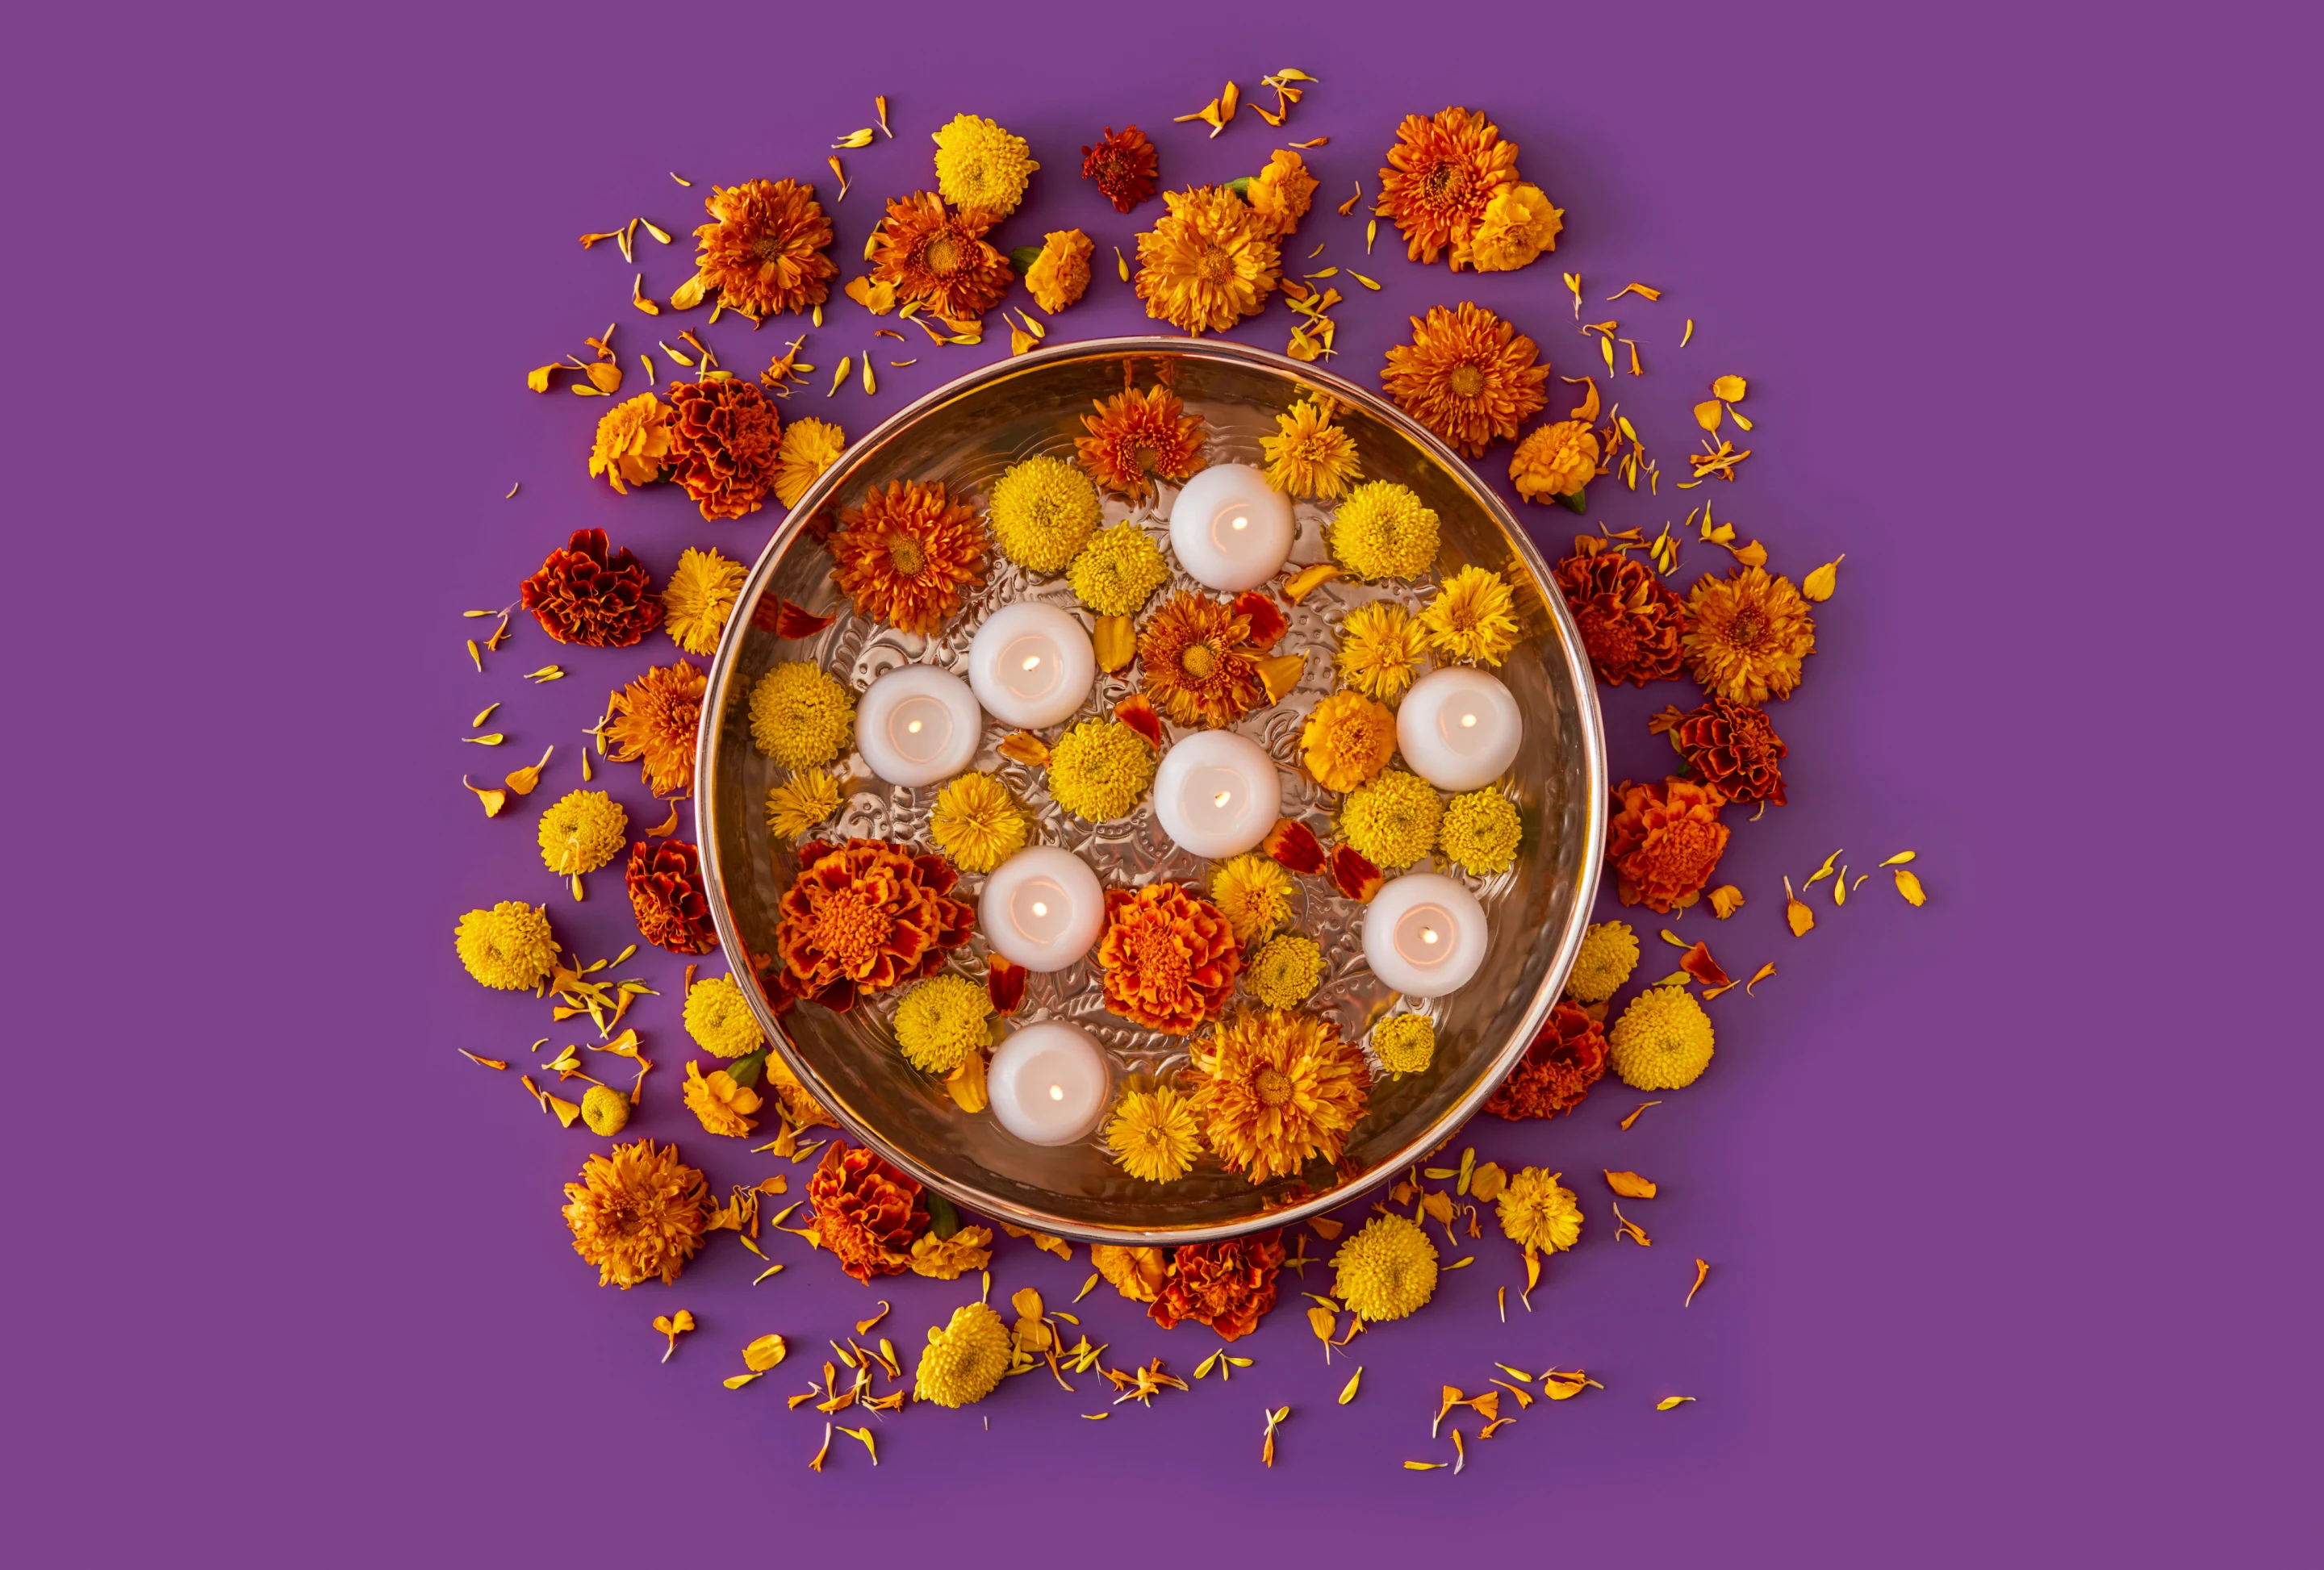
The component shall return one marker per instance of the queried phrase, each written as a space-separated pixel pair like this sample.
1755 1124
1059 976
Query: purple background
2004 1197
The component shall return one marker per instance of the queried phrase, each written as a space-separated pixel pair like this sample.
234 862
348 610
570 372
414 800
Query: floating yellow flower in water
1044 511
1208 263
1277 1090
718 1103
1480 833
1663 1042
1467 375
1746 635
1060 275
606 1110
806 798
1152 1134
1556 460
1392 822
1285 971
1347 741
1472 618
964 1360
632 442
941 1022
1099 769
980 165
508 948
1386 1271
700 597
719 1018
1443 173
1309 456
1195 671
1538 1215
1405 1042
1519 224
1383 530
1118 571
653 722
800 716
1609 952
1380 648
1280 193
582 832
1253 893
807 447
978 824
637 1213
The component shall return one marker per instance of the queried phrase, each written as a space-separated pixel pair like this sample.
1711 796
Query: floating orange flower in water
1443 173
1192 664
1227 1286
1347 741
1277 1090
1628 618
866 916
939 258
637 1213
1746 634
724 446
1209 262
866 1212
1124 166
590 595
1170 959
1666 842
1135 437
763 249
1733 746
668 897
1467 375
1565 1059
906 553
653 722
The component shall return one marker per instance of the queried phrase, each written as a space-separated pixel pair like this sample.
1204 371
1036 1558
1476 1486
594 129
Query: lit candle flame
1240 522
1057 1092
1040 908
1033 663
1468 720
1223 798
914 726
1428 934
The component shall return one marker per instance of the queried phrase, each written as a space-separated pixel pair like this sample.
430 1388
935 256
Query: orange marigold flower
1467 375
1277 1090
668 896
1566 1057
1124 167
1208 262
1192 664
632 442
1135 437
1348 739
1519 224
1556 460
1280 193
725 440
637 1213
1733 746
1746 634
653 722
1443 173
1666 842
1628 618
1227 1286
906 555
865 916
591 595
762 250
1060 274
939 258
865 1211
1170 959
718 1104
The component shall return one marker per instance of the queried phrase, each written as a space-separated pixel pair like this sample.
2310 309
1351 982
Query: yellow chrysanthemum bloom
1472 618
1383 530
582 832
1609 952
1099 769
1386 1271
606 1110
1253 892
805 449
1118 571
1406 1044
805 798
1556 460
1280 193
964 1360
1479 832
980 165
699 598
800 716
1152 1134
1044 511
1663 1042
978 824
1207 263
632 442
1309 456
1276 1090
1379 650
717 1103
1538 1215
719 1018
508 948
1285 972
1347 741
941 1021
1060 275
1519 224
1392 822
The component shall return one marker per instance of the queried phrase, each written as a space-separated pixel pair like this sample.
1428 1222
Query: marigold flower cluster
1452 188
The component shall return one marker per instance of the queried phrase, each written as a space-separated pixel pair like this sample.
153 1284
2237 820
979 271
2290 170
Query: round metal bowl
966 435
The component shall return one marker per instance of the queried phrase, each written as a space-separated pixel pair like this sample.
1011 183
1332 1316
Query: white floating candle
1230 529
1424 934
1031 665
1459 729
917 725
1217 794
1047 1084
1042 908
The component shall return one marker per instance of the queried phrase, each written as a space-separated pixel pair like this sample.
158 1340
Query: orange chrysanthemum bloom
1124 167
1746 634
1227 1286
1194 669
762 250
1348 739
653 722
906 555
725 445
1556 1072
1442 174
866 916
1135 437
1281 192
1666 842
1208 262
1277 1089
1467 375
1170 959
939 258
637 1213
865 1211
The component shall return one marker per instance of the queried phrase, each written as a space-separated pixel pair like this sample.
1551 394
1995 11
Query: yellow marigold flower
1043 512
508 948
1480 833
1386 1271
1347 739
1609 952
965 1359
1518 225
1099 769
1152 1134
1538 1215
1472 618
1556 460
1467 376
807 797
1663 1042
700 597
942 1020
606 1110
632 442
1405 1043
1277 1090
980 165
637 1213
1279 193
719 1103
1060 275
800 716
1746 635
1309 456
719 1018
1383 530
978 824
1286 972
1393 820
946 1259
807 448
1379 650
1208 263
582 832
1253 892
1118 571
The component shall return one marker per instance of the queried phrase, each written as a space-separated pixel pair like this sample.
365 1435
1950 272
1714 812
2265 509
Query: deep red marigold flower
1124 166
1170 959
1227 1286
1628 618
588 595
866 1212
667 895
724 436
866 916
1665 841
1556 1072
1734 746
